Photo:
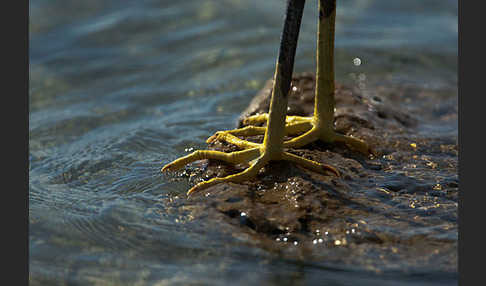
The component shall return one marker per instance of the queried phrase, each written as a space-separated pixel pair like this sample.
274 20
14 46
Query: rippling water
118 88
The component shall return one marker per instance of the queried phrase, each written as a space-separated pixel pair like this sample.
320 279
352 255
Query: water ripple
117 88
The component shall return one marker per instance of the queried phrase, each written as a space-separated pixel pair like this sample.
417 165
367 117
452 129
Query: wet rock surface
394 211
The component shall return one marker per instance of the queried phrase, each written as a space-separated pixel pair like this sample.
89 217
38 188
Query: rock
396 210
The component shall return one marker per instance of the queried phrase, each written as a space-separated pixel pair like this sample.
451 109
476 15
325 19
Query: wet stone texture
395 211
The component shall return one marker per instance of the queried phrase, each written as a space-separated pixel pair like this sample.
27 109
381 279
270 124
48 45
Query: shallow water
118 88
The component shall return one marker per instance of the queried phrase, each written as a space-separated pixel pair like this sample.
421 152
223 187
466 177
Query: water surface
118 88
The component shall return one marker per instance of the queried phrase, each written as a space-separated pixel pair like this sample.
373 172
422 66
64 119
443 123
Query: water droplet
337 242
314 241
243 214
357 61
285 239
320 240
295 243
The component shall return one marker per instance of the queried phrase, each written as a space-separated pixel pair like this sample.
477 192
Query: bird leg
320 125
258 155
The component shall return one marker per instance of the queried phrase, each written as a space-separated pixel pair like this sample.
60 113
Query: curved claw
167 167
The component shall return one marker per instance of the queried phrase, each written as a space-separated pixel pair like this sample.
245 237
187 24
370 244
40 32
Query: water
118 88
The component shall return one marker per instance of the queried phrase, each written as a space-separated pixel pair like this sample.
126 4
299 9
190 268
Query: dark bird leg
320 125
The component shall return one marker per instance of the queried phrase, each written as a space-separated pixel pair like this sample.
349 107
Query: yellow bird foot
255 157
305 126
294 125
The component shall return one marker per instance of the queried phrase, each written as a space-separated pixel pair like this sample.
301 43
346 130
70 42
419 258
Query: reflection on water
117 88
